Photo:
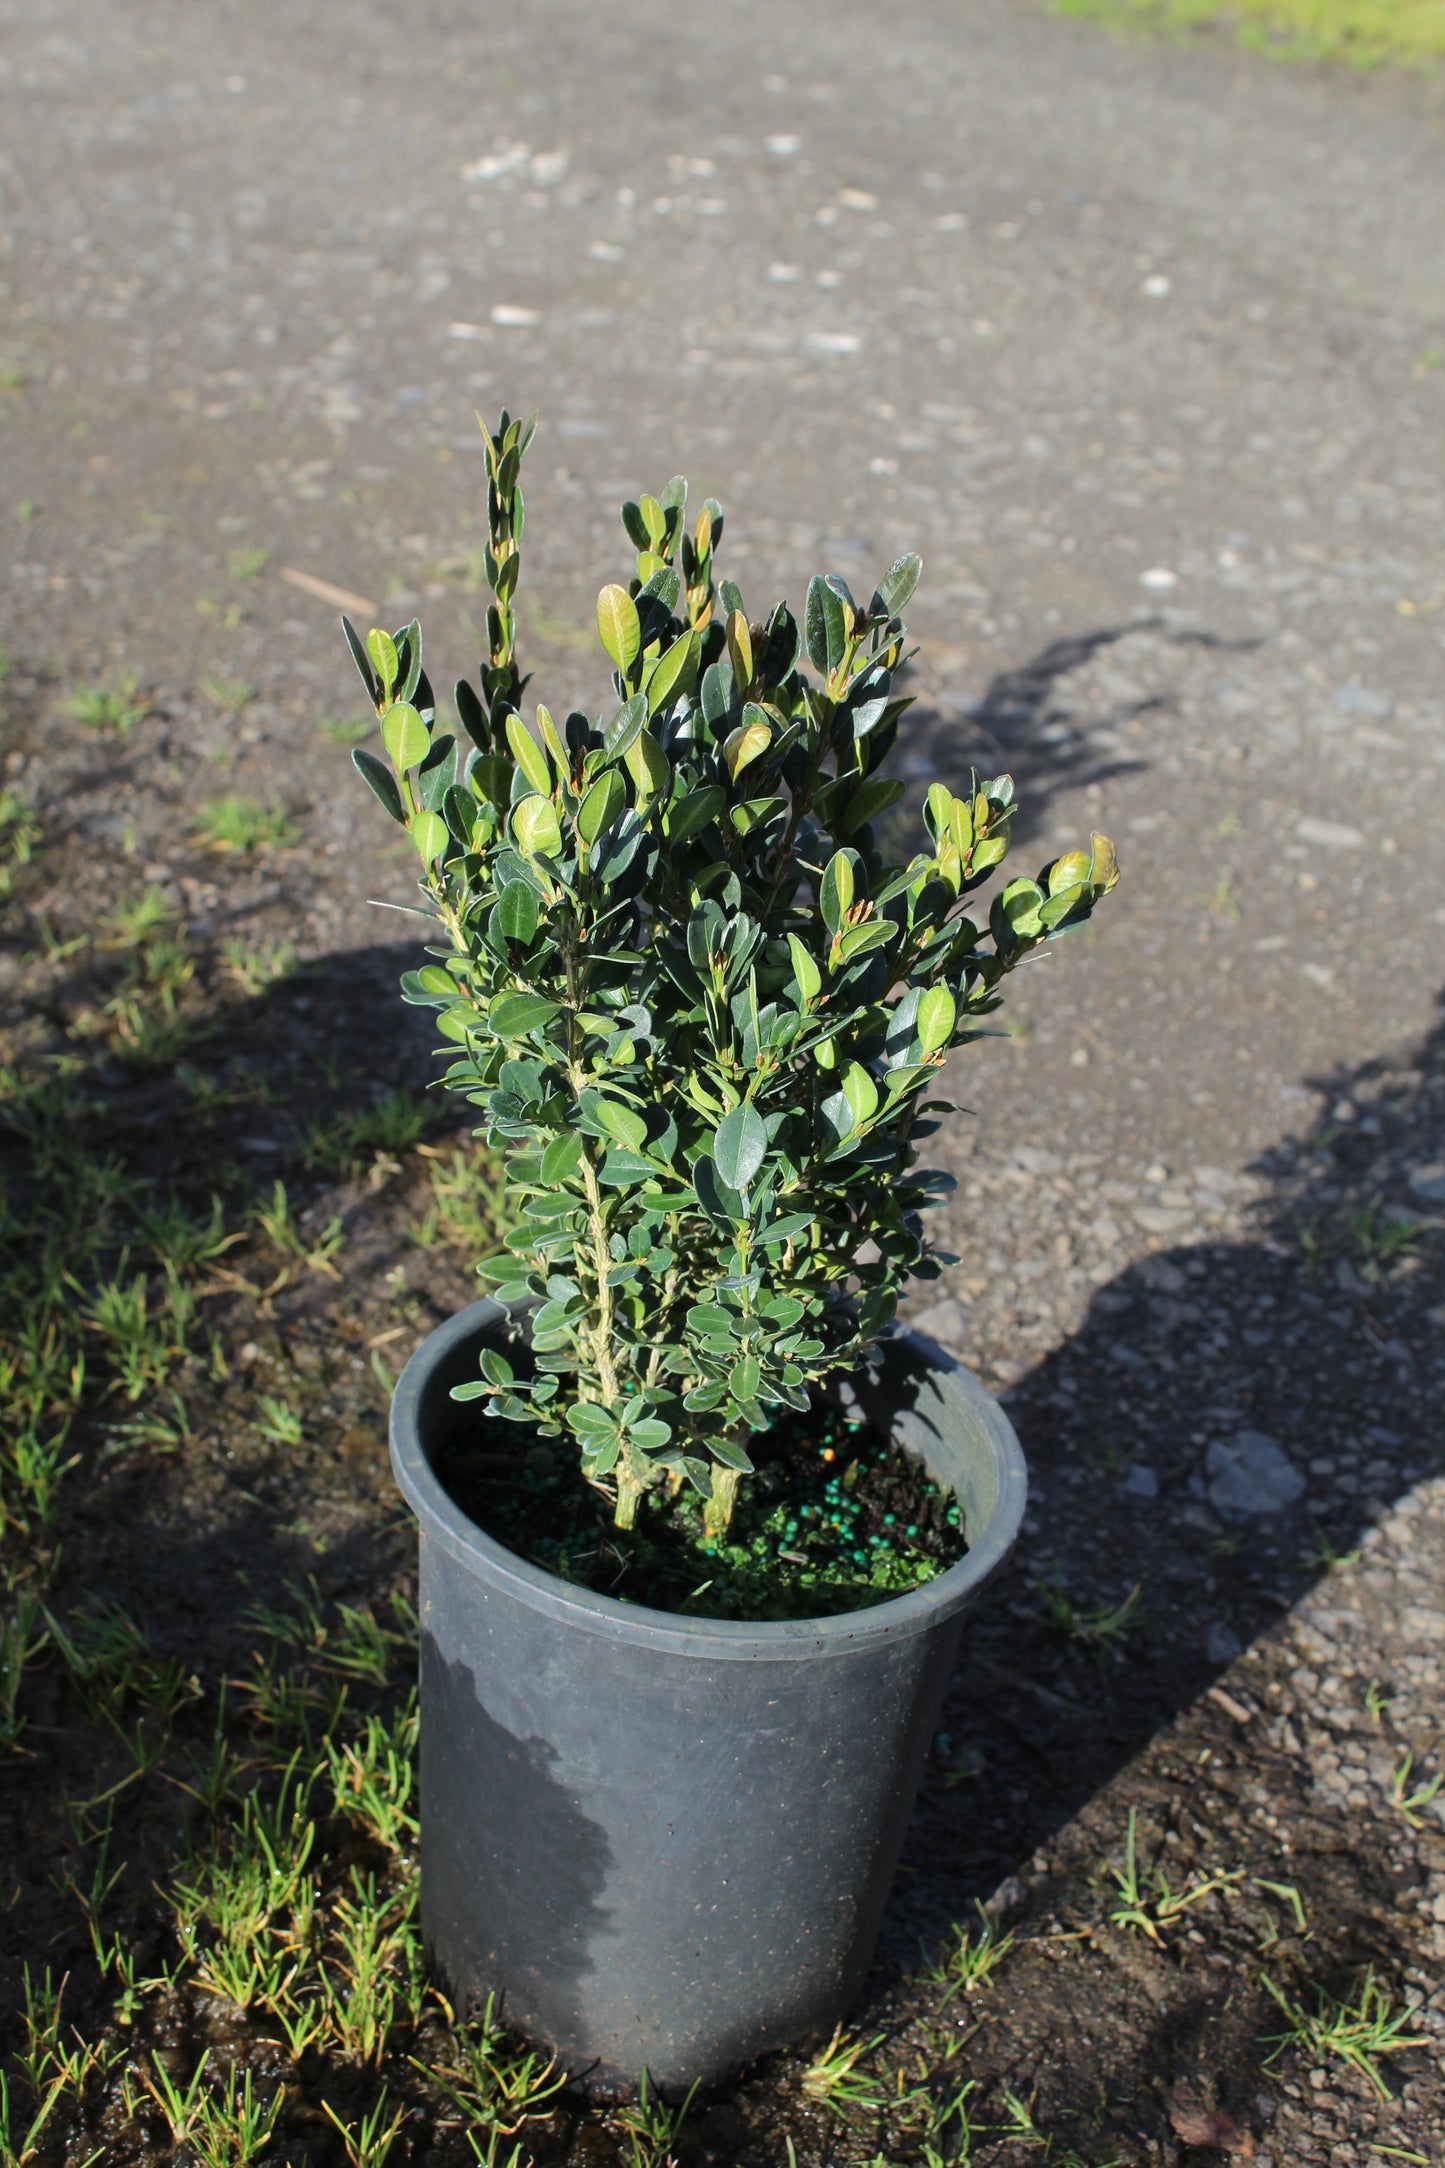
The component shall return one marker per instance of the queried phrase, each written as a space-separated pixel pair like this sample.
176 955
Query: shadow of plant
1034 722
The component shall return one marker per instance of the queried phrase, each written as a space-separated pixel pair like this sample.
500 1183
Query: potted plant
698 1526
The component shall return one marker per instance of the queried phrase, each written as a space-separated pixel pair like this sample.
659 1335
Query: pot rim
897 1618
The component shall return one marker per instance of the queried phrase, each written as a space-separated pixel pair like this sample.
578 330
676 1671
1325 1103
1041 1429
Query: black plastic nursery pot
665 1843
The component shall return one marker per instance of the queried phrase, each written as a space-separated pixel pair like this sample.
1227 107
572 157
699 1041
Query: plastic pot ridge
666 1842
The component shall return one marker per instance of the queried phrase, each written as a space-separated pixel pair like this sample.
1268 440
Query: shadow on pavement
1231 1418
1028 724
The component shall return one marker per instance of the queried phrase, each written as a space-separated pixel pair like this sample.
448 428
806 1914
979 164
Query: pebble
946 1321
1160 1219
1251 1474
1329 835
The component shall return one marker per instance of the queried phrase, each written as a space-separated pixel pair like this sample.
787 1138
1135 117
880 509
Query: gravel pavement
1144 349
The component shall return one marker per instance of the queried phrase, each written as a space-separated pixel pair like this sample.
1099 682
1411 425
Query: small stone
1330 835
947 1321
1358 700
1220 1645
1159 1219
1141 1482
1009 1895
1251 1474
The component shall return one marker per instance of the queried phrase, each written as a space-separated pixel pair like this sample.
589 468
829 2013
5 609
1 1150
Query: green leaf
514 917
551 741
895 590
720 1202
835 891
429 988
649 768
601 806
562 1157
405 736
731 1454
748 742
495 1368
624 729
654 520
617 847
673 672
536 827
618 623
510 1291
837 1112
650 1435
1103 864
589 1418
621 1122
693 810
361 659
755 813
1069 871
408 660
603 1453
431 835
438 773
739 1146
937 1014
382 649
529 756
937 808
1063 902
1017 906
805 970
788 1229
868 801
861 1093
857 940
512 1016
623 1168
380 780
784 1310
490 776
744 1378
712 1321
825 627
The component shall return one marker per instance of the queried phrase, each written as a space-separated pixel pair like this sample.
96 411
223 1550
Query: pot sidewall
666 1842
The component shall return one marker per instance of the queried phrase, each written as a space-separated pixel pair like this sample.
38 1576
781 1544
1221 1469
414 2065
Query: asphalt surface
1112 333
